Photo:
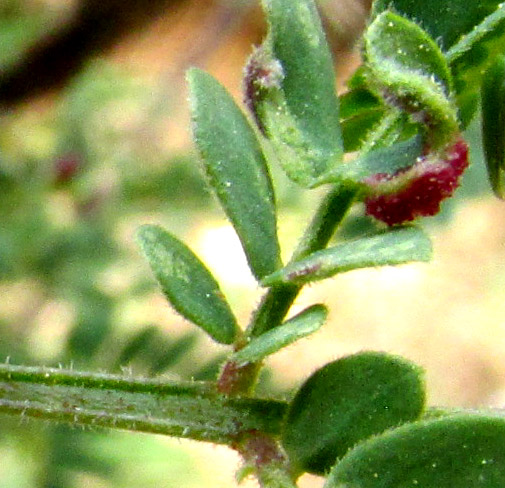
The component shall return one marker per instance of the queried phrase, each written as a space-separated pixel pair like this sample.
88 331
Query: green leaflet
396 40
493 124
383 160
397 246
168 353
355 128
347 401
356 101
472 56
188 285
360 111
470 33
305 323
298 110
463 450
444 20
237 171
137 345
410 71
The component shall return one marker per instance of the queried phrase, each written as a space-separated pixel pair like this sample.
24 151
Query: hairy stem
384 134
191 410
278 300
263 457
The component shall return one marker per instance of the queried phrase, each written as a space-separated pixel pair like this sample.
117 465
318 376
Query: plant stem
278 300
385 133
275 478
263 457
181 409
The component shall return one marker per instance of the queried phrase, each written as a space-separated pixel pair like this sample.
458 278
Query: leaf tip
145 234
275 278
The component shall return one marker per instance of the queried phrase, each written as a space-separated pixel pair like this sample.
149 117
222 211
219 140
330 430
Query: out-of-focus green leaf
302 325
93 324
237 171
464 450
493 124
19 31
299 111
171 353
397 246
210 370
347 401
137 344
188 285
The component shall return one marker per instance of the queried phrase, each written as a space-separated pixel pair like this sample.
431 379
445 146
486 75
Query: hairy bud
262 73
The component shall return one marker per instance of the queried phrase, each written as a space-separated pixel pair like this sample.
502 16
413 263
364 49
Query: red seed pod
418 190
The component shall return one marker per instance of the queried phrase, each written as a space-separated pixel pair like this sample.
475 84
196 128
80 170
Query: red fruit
418 190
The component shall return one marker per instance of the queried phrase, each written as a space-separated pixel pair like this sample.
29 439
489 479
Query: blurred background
95 140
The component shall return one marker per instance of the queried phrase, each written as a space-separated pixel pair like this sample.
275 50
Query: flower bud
418 190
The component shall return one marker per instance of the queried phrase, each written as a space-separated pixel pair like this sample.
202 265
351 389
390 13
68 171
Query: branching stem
278 300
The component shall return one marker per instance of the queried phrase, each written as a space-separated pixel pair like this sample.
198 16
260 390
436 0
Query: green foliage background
64 244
